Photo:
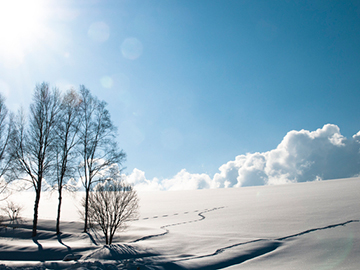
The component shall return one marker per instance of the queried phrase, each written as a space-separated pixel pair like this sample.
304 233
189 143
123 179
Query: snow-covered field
314 225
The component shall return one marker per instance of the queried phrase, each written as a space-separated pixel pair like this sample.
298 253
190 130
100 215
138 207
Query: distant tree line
65 136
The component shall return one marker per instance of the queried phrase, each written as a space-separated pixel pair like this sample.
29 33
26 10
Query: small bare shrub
111 205
12 210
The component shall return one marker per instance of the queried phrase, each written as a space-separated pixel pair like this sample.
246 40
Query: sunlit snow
311 225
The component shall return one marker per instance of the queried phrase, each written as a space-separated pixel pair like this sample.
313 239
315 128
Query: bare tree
66 139
111 205
98 148
6 129
33 144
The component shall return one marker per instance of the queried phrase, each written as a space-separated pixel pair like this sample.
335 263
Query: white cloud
301 156
186 180
137 178
182 180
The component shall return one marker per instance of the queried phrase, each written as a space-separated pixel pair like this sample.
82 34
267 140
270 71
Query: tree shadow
96 234
35 240
40 247
62 243
123 251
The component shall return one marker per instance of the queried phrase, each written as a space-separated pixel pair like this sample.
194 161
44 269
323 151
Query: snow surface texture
313 225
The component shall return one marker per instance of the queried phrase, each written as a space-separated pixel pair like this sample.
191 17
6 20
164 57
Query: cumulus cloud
182 180
137 178
300 157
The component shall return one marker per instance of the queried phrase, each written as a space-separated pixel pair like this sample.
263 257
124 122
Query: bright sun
21 25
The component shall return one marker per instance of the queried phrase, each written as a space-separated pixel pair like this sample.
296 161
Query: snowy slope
312 225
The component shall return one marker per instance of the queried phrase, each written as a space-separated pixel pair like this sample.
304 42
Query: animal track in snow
269 246
317 229
176 214
176 224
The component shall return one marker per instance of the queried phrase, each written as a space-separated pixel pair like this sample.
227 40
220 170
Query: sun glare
20 27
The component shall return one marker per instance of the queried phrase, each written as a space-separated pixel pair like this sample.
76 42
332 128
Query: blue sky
192 84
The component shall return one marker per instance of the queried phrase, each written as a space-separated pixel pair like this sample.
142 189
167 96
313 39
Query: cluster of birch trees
64 136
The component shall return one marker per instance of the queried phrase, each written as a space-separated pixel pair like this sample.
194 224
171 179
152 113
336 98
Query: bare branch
97 146
111 205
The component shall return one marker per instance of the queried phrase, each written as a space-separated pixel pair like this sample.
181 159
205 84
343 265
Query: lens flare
99 31
106 81
131 48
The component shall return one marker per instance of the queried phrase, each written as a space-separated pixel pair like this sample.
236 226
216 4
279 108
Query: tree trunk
58 212
111 237
36 207
86 210
106 239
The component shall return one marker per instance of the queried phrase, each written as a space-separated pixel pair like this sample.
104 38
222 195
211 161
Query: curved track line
318 229
202 217
252 253
271 246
